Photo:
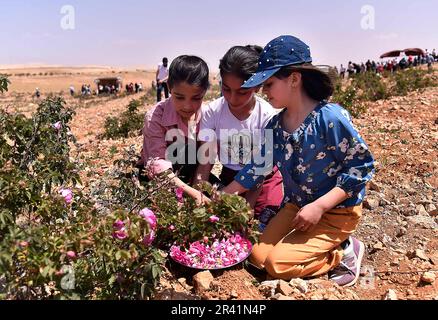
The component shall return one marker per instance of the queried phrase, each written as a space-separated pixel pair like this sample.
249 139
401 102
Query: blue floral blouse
325 152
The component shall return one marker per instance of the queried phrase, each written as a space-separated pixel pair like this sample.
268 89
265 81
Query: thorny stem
29 144
158 188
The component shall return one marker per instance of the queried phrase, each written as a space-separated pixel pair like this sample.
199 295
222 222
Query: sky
134 33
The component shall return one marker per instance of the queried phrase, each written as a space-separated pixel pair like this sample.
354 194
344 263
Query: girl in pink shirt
171 127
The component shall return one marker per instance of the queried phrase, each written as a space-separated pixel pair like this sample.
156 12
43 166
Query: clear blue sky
139 33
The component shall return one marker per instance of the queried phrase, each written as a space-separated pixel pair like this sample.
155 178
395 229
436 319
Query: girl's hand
197 195
201 199
308 217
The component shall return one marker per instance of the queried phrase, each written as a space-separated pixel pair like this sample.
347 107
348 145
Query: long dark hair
318 85
241 61
190 69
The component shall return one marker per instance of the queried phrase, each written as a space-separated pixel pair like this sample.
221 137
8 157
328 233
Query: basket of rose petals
219 254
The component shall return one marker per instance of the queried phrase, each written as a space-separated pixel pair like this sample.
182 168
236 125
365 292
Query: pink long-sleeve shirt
158 121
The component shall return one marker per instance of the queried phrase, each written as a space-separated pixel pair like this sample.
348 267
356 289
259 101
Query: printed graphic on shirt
240 148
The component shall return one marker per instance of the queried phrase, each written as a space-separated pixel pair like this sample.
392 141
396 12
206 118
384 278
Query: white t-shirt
163 72
235 137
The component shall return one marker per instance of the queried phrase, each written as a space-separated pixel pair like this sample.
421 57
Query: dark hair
165 60
318 85
241 61
190 69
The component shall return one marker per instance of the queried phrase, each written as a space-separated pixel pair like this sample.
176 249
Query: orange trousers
287 254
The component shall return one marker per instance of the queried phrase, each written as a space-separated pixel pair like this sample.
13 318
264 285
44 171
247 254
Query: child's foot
348 271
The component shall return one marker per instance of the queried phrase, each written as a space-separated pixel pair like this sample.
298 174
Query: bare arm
202 173
331 199
192 192
311 215
204 168
234 188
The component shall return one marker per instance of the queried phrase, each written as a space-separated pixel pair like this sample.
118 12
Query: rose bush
179 221
60 240
54 242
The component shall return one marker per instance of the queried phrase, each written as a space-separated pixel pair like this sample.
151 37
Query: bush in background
128 124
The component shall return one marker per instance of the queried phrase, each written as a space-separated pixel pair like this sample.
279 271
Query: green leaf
45 271
112 280
118 255
142 290
156 271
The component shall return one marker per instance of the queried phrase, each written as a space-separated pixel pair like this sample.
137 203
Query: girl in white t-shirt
236 119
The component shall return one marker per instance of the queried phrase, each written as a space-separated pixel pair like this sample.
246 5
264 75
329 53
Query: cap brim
260 77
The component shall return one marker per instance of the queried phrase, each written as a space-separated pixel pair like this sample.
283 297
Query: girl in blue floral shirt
325 165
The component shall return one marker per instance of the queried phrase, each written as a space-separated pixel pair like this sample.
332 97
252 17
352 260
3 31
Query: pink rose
67 194
24 244
147 241
58 125
214 219
180 194
120 234
71 255
118 225
172 228
149 216
59 273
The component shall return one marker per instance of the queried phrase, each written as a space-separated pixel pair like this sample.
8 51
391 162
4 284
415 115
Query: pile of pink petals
221 254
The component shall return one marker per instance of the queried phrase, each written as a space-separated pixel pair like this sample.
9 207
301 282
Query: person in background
162 77
342 71
430 61
350 69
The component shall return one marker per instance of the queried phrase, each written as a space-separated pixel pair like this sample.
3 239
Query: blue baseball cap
280 52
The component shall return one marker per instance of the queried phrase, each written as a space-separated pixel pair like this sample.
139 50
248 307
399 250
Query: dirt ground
399 226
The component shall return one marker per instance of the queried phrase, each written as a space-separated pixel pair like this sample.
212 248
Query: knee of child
282 270
257 261
258 255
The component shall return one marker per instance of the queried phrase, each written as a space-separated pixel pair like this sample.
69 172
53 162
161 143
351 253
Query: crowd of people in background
391 65
106 89
352 68
86 90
